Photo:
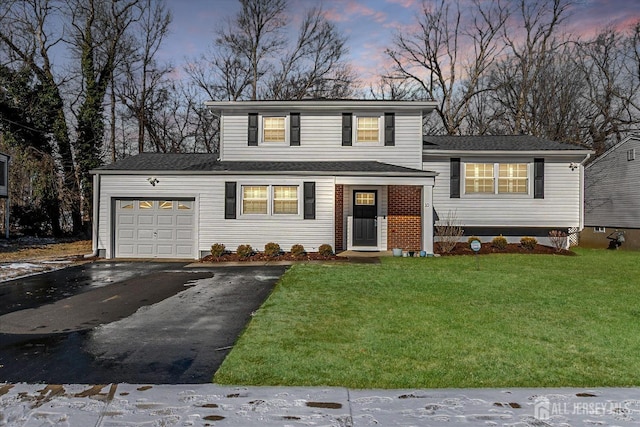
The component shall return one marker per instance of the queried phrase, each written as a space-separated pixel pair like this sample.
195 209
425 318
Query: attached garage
154 228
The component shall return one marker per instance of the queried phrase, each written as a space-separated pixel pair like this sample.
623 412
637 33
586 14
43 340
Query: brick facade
404 223
339 219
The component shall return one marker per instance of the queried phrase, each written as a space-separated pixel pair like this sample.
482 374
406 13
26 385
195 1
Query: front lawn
521 321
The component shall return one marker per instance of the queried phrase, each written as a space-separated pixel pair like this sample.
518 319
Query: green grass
521 321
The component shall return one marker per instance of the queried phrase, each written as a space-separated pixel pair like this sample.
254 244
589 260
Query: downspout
94 225
582 163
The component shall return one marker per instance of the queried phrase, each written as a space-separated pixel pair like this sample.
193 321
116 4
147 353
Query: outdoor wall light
573 166
153 180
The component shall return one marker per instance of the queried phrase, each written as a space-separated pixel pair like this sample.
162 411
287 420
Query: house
612 196
4 189
510 185
355 174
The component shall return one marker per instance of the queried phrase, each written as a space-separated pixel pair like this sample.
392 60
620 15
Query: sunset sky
368 24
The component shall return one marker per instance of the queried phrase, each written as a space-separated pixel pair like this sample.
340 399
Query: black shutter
294 129
253 129
347 135
389 129
455 179
309 200
230 200
538 178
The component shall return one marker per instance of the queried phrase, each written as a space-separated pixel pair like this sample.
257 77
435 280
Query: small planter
423 254
397 252
411 253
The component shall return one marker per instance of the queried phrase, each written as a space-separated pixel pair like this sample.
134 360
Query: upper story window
367 129
512 178
631 154
274 129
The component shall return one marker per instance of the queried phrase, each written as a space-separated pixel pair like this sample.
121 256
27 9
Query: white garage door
148 228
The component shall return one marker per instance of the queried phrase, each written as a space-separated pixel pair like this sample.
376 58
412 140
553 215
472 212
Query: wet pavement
214 405
126 322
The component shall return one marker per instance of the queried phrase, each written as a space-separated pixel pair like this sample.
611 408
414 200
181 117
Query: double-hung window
254 200
285 200
513 178
270 199
367 129
478 178
274 129
496 178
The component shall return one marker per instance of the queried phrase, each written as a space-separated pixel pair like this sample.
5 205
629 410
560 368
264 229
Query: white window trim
270 215
496 178
261 140
381 125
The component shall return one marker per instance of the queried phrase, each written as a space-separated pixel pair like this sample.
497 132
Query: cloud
407 4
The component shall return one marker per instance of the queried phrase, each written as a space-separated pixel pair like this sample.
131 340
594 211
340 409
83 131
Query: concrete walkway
213 405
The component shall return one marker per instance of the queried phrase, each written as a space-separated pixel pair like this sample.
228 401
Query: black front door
365 212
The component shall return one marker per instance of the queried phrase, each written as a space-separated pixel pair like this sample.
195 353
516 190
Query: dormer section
322 130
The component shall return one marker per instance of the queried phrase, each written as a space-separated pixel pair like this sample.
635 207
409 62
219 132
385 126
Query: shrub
244 251
297 250
272 249
528 242
449 232
499 242
217 249
558 239
325 250
472 238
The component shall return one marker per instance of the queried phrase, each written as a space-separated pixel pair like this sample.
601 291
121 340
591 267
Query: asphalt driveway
140 322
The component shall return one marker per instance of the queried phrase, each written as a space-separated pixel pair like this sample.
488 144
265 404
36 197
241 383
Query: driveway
139 322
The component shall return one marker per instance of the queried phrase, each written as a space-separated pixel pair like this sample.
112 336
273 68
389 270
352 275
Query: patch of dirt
42 249
463 248
287 256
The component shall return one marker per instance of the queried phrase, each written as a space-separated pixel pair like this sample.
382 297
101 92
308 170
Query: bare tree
610 65
145 79
27 40
252 57
528 56
316 66
433 55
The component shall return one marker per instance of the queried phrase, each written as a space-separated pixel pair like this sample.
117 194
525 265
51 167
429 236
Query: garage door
163 228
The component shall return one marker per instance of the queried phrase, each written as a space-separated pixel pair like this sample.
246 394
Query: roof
339 105
496 143
201 163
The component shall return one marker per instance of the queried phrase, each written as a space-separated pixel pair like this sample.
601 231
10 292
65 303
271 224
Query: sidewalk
213 405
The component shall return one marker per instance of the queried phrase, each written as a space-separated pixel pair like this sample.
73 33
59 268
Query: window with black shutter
347 119
294 129
454 192
389 129
230 200
538 178
309 200
253 129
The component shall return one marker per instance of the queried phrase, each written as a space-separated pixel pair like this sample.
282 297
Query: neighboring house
4 189
516 185
351 173
612 196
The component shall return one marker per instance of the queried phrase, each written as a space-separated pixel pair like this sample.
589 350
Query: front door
365 223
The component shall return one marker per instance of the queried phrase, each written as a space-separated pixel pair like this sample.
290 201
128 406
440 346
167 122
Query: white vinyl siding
560 207
612 188
211 226
321 140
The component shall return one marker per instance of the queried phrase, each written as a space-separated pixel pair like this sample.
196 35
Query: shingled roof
495 143
208 163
